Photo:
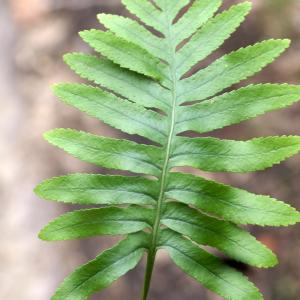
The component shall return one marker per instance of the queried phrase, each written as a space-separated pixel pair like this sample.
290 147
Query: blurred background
34 35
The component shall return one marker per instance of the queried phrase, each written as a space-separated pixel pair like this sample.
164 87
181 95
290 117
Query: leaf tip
42 236
293 219
286 43
55 88
68 57
50 135
38 190
247 5
273 260
86 34
275 263
101 17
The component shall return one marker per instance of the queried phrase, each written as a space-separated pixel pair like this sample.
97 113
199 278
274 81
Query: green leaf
107 152
147 13
171 7
230 69
215 155
228 238
104 270
135 33
144 83
201 44
99 189
196 16
124 53
208 269
124 115
133 86
229 203
98 221
236 106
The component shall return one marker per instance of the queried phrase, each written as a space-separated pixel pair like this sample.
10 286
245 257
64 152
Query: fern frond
228 203
199 13
104 269
130 85
236 106
144 81
98 221
207 268
228 238
220 27
124 53
99 189
171 7
215 155
230 69
148 13
124 115
107 152
135 33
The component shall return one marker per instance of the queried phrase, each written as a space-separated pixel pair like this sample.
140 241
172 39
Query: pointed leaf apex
274 262
54 86
42 236
100 15
285 43
48 135
86 35
280 43
68 56
37 190
247 4
293 219
103 15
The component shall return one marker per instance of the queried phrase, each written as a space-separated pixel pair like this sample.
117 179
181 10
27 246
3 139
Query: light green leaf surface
133 86
171 7
133 32
201 44
107 152
236 106
99 189
215 155
228 238
124 53
145 90
147 13
121 114
230 69
195 17
208 269
98 221
104 270
229 203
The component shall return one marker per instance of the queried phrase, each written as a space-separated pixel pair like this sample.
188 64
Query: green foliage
207 269
143 83
104 269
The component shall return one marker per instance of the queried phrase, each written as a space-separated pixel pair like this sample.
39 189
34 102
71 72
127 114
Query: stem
148 274
165 170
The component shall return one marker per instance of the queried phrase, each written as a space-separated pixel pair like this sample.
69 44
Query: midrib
166 165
